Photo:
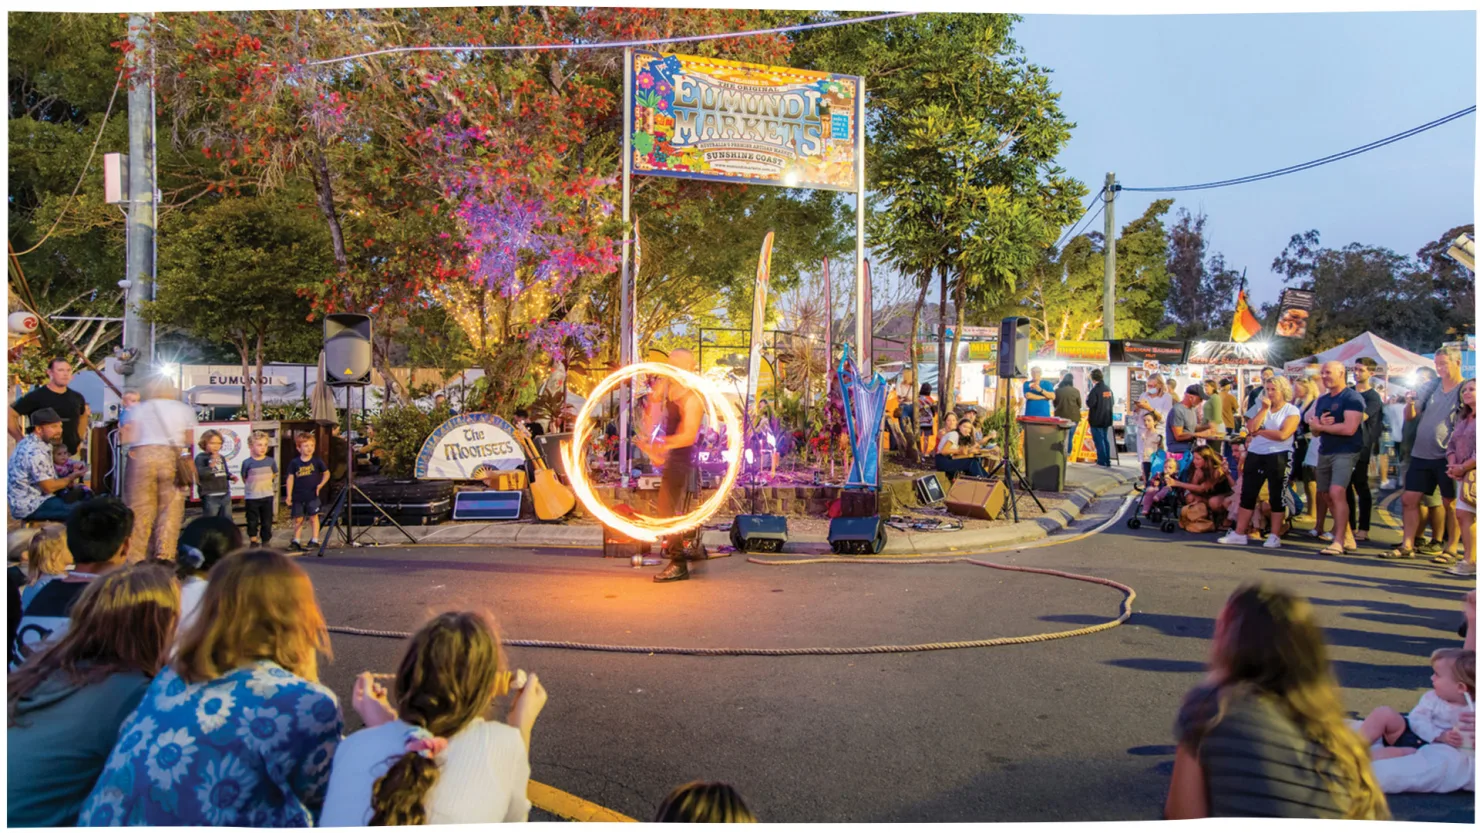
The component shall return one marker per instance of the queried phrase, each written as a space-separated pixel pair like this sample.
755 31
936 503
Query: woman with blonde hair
158 435
433 758
68 701
237 731
1265 734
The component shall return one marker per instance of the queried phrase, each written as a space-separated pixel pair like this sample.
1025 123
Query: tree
62 75
1447 286
1359 288
1203 289
237 273
1063 294
964 131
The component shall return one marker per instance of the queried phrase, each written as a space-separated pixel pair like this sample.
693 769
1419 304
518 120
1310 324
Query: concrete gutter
1089 482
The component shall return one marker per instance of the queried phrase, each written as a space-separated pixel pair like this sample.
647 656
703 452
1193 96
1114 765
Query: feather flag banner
1245 325
758 322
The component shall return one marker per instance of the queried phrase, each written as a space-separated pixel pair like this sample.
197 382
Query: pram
1164 511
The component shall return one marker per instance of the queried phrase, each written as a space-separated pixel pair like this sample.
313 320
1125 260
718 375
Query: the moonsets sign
706 118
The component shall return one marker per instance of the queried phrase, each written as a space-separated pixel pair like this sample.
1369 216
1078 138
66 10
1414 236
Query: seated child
1436 717
66 467
1158 489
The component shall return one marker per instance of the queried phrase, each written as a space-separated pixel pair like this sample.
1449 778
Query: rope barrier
1125 614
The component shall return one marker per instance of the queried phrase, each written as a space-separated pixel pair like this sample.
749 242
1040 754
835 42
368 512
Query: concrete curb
1092 484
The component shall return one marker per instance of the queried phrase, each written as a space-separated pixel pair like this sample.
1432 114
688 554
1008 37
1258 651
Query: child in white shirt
1436 717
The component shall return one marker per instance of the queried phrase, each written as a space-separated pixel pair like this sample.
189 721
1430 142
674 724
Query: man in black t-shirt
1359 491
55 394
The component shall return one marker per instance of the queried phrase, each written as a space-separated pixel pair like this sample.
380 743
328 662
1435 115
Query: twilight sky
1172 100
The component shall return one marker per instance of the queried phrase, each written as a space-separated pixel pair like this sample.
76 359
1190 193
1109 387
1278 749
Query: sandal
1445 558
1398 552
1334 549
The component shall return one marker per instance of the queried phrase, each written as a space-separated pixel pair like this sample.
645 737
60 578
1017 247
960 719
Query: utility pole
141 208
1109 313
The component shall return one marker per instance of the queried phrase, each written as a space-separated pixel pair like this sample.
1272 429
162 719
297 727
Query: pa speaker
758 533
975 497
1012 348
858 536
347 348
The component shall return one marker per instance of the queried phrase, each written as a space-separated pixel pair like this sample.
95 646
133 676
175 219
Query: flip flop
1333 550
1398 552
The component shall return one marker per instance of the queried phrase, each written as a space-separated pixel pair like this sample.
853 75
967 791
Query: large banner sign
1136 352
469 447
1295 305
707 118
1228 353
1090 351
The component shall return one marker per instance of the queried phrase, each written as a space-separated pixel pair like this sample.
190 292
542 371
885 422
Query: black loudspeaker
857 536
347 348
1012 348
549 448
758 533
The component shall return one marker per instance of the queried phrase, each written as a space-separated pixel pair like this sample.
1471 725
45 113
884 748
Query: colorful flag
758 323
1245 325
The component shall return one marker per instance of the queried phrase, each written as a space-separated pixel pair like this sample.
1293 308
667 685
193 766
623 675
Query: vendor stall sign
1228 353
469 447
235 380
707 118
979 333
1084 351
1295 306
981 351
1169 352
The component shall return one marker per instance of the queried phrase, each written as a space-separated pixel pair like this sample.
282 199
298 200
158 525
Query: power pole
1109 313
141 215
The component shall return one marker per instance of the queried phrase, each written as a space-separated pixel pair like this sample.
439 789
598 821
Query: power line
1314 163
1069 235
801 27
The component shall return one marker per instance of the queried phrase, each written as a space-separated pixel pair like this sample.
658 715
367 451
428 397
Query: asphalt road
1076 729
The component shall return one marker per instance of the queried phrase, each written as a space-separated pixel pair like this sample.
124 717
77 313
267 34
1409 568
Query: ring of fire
643 527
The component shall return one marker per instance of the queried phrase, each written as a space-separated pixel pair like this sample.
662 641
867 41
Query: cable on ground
1125 614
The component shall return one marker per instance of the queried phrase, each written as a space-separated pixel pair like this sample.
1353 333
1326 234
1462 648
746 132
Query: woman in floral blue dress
237 731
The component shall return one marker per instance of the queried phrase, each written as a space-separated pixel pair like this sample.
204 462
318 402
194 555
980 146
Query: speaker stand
342 509
1012 470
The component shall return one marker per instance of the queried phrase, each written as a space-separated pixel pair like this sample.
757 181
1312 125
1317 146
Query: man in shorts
1336 419
1430 408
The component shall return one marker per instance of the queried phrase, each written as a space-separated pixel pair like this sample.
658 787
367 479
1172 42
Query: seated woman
952 456
1207 482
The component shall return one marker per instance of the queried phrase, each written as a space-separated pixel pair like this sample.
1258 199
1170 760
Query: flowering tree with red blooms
483 182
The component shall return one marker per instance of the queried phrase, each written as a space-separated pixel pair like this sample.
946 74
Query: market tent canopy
1392 358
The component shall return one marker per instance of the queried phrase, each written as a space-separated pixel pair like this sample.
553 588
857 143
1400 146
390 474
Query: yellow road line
1385 516
570 807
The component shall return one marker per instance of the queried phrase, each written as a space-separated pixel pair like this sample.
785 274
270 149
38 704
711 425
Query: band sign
707 118
469 447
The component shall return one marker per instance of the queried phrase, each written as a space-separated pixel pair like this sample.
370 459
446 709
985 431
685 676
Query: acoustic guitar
552 500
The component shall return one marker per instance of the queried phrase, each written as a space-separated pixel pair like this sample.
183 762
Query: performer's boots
677 569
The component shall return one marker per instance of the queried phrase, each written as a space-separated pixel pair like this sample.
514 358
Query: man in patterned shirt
33 483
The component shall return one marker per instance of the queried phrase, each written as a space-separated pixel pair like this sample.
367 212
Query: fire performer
677 411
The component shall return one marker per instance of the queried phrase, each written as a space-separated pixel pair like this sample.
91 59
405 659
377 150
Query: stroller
1164 511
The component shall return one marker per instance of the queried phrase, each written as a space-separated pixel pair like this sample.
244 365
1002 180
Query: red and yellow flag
1245 325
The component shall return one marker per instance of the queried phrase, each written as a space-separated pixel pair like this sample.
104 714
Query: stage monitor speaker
858 536
975 497
1012 348
347 348
928 489
549 448
758 533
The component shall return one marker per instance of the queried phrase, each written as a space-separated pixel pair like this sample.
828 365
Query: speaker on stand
1012 363
347 362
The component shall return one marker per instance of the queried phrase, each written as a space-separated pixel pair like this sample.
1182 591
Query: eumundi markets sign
707 118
